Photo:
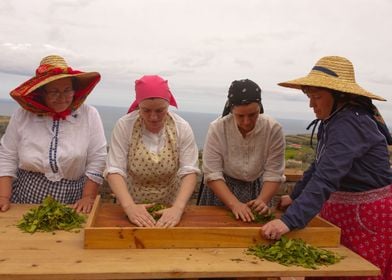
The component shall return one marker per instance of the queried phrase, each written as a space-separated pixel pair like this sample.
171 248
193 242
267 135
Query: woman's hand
138 215
258 205
274 229
242 211
170 217
4 203
84 205
285 201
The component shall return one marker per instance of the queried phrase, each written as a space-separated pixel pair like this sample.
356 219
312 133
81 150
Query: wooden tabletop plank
61 256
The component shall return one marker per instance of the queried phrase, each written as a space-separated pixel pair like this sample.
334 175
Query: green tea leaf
294 252
49 216
153 209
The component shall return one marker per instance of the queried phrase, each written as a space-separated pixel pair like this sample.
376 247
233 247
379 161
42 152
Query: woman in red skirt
350 181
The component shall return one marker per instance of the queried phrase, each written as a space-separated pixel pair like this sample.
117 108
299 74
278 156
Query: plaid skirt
244 191
365 220
33 187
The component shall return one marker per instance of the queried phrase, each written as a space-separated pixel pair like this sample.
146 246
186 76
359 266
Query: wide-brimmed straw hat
53 68
332 72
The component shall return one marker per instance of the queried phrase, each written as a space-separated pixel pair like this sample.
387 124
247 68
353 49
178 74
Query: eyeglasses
54 94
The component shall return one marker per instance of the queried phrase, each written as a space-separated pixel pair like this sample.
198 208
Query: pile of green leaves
49 216
259 218
294 252
153 209
263 218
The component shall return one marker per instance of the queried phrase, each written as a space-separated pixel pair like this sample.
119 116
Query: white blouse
67 148
117 160
259 154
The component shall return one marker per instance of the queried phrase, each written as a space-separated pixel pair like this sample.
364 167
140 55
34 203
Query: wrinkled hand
258 206
274 229
4 203
138 215
170 217
84 205
285 201
242 211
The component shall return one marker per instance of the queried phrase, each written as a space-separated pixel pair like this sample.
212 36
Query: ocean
198 121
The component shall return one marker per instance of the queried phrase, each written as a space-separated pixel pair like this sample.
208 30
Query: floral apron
365 219
152 177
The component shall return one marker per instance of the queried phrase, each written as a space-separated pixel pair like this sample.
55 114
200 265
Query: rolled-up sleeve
97 148
275 163
213 155
188 151
117 159
260 154
9 148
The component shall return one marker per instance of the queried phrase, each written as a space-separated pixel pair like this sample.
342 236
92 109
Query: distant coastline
198 121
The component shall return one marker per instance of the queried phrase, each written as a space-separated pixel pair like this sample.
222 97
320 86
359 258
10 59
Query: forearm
222 191
6 186
90 188
187 187
120 189
268 191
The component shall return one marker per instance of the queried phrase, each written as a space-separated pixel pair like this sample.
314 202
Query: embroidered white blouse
259 154
117 159
67 148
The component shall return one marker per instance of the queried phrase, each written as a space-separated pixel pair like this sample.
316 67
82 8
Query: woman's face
321 100
153 112
246 116
58 95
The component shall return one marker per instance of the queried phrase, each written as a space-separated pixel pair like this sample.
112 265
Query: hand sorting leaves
263 218
154 209
260 218
49 216
294 252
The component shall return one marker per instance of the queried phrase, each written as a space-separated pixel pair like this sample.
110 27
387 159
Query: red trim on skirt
365 219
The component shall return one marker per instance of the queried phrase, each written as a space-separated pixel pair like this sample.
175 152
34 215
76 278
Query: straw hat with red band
152 86
332 72
53 68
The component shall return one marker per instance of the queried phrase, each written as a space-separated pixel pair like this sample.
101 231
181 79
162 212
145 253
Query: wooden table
61 256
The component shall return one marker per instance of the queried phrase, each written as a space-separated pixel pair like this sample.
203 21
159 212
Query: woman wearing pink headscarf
153 156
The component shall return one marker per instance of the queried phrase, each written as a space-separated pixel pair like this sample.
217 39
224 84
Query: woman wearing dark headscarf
350 181
243 155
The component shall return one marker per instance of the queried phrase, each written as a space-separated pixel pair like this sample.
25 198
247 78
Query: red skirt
365 220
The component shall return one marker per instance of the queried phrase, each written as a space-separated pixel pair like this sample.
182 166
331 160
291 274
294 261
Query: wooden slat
61 255
200 227
293 175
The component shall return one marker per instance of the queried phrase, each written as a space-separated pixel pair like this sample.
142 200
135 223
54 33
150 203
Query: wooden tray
200 227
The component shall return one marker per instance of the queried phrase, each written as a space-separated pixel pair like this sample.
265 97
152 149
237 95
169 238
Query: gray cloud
200 46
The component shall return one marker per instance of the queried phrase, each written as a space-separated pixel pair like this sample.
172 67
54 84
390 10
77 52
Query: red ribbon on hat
47 69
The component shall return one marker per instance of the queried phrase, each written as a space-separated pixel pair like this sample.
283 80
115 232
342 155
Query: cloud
199 46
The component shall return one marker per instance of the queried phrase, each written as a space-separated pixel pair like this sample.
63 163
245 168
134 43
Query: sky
200 46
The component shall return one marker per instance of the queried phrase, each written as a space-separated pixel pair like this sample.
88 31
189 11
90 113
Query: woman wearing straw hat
243 156
153 156
54 144
349 182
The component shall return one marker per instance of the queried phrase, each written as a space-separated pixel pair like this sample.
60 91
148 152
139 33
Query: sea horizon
199 121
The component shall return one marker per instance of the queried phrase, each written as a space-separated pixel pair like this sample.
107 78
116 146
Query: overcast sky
200 46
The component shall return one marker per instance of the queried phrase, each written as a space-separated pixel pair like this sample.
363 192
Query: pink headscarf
152 87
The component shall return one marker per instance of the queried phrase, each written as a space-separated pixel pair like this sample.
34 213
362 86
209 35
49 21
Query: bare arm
267 192
5 192
172 216
137 213
90 191
239 209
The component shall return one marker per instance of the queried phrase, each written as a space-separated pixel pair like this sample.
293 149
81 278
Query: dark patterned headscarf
242 92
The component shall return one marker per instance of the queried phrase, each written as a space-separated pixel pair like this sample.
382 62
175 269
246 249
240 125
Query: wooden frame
124 235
